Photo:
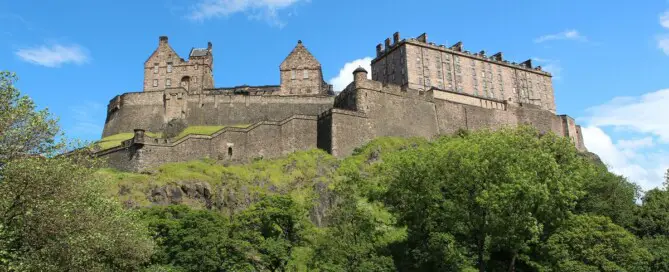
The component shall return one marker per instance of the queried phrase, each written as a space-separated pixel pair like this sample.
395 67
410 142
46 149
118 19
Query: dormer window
169 67
292 74
155 68
306 74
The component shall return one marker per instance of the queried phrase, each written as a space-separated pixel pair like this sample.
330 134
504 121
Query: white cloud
571 34
640 160
256 9
54 55
664 19
637 145
345 76
663 44
644 114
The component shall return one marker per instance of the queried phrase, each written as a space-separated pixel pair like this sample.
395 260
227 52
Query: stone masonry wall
261 140
388 110
148 110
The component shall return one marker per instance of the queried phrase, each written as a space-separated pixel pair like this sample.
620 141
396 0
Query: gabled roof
300 58
169 49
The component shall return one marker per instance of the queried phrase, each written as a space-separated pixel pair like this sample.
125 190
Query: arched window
185 82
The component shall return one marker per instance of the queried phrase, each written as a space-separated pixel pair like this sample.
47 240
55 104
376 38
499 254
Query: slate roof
198 52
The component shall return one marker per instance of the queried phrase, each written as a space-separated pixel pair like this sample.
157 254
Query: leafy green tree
54 216
192 240
594 243
482 193
24 131
353 241
653 216
271 229
610 195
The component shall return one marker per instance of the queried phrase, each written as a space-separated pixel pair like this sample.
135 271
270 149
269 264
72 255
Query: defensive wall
367 109
151 110
265 139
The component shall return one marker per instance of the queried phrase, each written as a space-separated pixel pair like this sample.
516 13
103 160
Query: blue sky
609 59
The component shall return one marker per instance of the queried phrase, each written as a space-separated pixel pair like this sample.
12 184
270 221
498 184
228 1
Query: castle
417 88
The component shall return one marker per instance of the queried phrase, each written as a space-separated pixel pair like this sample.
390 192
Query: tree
55 216
594 243
483 193
271 228
653 216
24 131
193 240
610 195
353 241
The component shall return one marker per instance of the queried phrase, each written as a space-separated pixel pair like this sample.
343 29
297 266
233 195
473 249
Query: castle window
230 151
169 67
306 74
196 66
155 83
292 74
155 68
168 82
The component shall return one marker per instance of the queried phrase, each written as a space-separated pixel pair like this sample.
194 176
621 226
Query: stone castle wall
151 110
265 139
389 110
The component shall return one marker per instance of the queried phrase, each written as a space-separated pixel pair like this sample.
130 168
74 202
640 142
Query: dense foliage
505 200
55 214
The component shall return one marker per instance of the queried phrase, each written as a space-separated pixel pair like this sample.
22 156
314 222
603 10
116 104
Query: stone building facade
422 65
410 94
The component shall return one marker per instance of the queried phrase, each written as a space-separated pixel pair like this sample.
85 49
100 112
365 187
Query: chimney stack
379 50
162 40
209 45
387 44
396 37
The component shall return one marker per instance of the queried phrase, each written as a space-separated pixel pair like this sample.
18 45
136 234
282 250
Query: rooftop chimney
209 45
498 56
422 38
379 50
457 46
162 40
396 37
387 43
527 63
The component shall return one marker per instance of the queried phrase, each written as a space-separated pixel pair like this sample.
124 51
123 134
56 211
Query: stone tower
165 69
301 74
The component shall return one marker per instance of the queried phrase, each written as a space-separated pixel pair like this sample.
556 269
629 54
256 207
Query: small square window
169 67
155 83
305 74
168 82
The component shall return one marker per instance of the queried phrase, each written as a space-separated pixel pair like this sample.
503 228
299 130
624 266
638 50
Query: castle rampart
302 113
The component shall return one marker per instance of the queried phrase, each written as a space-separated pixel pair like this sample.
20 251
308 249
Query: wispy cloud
345 75
267 10
54 55
664 19
663 40
571 34
85 118
639 126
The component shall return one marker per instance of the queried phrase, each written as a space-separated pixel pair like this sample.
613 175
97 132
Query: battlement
417 89
457 49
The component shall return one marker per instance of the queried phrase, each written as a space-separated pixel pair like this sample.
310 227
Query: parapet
457 48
